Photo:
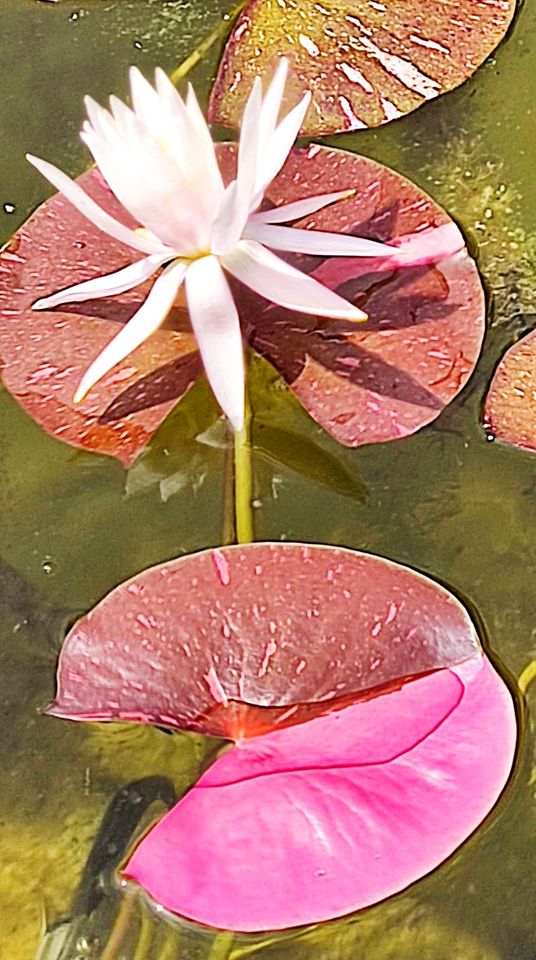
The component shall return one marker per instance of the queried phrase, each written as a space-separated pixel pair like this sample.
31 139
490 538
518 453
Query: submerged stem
243 479
221 946
120 928
145 938
199 52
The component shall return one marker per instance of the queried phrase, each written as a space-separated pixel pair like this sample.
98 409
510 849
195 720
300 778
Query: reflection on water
447 501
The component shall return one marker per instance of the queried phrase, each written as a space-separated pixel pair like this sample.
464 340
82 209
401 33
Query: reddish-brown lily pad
510 410
363 383
43 354
366 63
361 703
240 640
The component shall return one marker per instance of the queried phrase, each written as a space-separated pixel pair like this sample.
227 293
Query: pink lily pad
361 705
238 641
363 383
320 820
510 410
365 63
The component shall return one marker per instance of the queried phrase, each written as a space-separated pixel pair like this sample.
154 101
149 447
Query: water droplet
48 566
138 44
79 244
9 207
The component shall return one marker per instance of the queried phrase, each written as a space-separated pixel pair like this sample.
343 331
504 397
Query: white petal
196 115
84 203
106 286
216 325
278 150
316 242
148 318
280 283
299 208
148 183
183 133
236 204
271 105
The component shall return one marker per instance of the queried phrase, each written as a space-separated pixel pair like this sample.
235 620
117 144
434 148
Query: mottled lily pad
360 702
363 383
510 410
365 63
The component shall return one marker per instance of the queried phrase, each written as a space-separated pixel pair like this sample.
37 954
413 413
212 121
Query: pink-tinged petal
216 326
318 242
301 208
278 282
315 822
107 286
241 640
424 248
145 322
510 409
366 63
44 354
94 213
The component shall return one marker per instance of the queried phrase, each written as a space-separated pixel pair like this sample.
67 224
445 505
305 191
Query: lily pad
44 354
365 63
360 702
323 819
510 410
363 383
240 640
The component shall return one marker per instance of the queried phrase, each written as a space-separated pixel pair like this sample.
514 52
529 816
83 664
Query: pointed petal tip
41 304
81 391
51 710
237 421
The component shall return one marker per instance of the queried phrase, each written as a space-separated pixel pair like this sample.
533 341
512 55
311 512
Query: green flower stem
207 43
243 479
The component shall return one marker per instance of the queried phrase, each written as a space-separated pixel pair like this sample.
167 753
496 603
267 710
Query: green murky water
446 501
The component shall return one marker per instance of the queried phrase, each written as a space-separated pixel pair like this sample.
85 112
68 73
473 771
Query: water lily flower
159 160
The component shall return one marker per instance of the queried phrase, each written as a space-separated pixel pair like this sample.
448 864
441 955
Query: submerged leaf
306 458
365 63
510 410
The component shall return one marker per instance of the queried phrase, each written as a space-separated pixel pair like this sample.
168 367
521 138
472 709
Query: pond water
448 501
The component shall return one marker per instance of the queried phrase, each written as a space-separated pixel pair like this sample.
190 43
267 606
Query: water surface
447 501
